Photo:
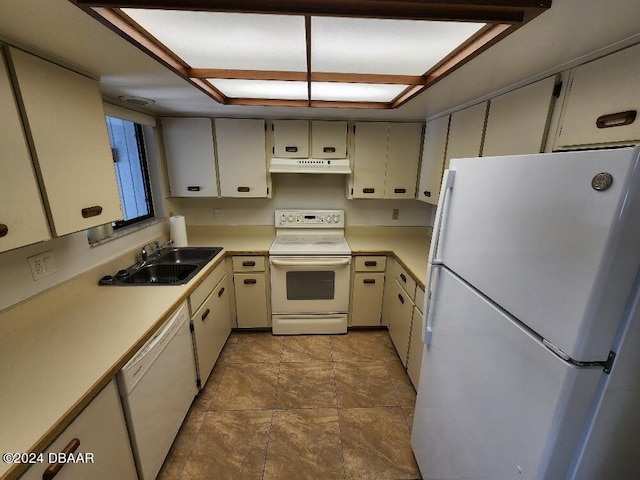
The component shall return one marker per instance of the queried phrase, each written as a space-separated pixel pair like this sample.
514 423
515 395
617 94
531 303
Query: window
130 164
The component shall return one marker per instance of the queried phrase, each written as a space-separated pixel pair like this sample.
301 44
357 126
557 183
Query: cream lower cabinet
210 320
367 291
22 218
99 433
400 320
433 152
64 118
251 292
416 346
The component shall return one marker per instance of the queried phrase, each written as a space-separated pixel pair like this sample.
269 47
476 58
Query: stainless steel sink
171 266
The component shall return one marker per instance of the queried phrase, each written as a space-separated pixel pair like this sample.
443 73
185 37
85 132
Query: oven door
310 284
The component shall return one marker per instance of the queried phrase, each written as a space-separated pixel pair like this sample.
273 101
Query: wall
292 191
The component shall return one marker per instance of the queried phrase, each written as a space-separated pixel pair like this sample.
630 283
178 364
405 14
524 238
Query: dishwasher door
157 387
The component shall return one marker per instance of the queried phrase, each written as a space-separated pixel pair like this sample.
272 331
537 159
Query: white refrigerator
531 364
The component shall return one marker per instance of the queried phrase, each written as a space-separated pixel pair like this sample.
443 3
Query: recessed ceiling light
139 101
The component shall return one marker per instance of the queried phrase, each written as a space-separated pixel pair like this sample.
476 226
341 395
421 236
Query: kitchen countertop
78 335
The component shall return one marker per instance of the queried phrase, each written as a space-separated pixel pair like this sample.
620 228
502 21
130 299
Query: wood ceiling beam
307 31
486 11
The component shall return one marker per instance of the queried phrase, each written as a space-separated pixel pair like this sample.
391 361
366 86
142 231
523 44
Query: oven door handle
311 262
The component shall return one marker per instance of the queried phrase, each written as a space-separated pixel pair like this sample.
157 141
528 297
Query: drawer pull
244 189
53 468
3 230
404 279
220 292
250 281
329 149
399 190
89 212
291 149
193 188
368 190
248 263
370 263
206 314
427 193
401 298
369 280
616 119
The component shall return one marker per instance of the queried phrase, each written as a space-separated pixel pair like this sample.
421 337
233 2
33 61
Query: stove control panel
309 218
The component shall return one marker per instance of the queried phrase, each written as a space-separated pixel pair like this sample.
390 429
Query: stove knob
290 218
283 218
329 219
336 218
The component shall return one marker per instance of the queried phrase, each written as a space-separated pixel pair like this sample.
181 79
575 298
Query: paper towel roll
178 230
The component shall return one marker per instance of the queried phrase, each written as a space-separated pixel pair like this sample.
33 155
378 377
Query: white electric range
310 264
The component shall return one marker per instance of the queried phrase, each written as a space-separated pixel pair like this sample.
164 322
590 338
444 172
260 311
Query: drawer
419 301
253 263
406 281
370 263
203 290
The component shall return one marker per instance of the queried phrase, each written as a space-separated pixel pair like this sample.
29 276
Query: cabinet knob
193 188
220 292
616 119
404 279
427 193
370 263
399 190
368 190
249 263
53 468
89 212
369 280
206 314
243 189
401 298
250 281
291 149
3 230
329 149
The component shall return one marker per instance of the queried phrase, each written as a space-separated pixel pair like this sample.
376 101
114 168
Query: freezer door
493 403
548 239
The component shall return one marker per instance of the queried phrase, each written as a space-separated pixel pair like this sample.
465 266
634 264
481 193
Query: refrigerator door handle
447 185
430 289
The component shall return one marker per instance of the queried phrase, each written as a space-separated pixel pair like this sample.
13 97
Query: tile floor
300 407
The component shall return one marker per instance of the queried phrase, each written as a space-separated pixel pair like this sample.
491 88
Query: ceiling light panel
398 47
267 89
228 40
355 92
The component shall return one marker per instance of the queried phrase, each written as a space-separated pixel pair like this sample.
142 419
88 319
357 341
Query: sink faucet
144 253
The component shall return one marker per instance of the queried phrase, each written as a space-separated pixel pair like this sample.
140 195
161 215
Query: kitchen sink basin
162 274
172 266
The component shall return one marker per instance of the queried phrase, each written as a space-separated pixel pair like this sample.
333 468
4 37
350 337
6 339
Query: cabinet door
100 430
22 217
465 133
403 155
328 139
188 146
415 348
518 121
241 157
400 320
370 159
366 303
600 100
211 327
65 119
433 151
251 300
291 139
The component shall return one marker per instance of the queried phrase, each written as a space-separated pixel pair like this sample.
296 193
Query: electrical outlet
217 213
42 265
395 214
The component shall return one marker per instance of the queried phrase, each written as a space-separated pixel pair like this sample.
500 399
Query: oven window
311 285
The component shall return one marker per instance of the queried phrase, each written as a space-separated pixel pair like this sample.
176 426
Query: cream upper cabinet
188 145
602 101
433 151
22 217
518 121
242 161
465 133
290 138
64 117
370 159
328 139
403 155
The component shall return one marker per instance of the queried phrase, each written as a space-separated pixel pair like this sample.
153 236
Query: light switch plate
42 265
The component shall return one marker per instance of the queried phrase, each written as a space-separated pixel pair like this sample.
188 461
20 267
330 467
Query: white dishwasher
157 387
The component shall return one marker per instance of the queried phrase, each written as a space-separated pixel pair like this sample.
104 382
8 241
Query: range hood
310 165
